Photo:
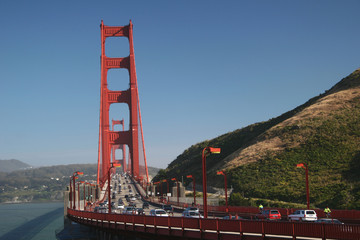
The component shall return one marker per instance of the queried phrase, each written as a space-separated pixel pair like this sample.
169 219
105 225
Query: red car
272 214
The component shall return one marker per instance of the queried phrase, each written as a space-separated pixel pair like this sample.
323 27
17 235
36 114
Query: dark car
329 220
140 211
272 214
168 208
132 204
145 205
232 217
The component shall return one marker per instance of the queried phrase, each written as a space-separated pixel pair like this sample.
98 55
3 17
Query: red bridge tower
109 138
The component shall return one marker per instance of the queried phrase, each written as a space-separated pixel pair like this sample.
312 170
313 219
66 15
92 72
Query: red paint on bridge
110 140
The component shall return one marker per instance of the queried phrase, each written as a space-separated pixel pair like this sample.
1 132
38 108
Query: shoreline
19 202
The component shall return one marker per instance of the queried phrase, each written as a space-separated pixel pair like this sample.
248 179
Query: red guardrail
211 227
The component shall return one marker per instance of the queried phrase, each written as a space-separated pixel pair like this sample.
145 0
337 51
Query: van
303 215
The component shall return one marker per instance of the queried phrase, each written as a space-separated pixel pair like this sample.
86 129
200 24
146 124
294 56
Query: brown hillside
273 140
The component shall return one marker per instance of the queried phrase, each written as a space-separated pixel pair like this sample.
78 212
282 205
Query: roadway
128 188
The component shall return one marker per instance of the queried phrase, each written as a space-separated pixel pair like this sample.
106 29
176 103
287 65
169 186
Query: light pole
78 185
164 180
305 166
177 189
191 176
207 151
225 180
109 192
74 176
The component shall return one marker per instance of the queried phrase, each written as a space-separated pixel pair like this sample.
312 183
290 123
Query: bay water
31 221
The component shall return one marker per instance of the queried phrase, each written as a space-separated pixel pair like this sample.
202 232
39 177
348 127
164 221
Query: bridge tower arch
108 137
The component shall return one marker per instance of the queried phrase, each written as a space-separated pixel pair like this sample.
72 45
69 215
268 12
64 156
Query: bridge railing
217 226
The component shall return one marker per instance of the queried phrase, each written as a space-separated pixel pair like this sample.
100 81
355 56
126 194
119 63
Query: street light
191 176
167 184
177 189
77 173
109 192
225 180
207 151
156 187
305 166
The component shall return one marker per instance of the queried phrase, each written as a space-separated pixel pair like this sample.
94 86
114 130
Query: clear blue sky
204 68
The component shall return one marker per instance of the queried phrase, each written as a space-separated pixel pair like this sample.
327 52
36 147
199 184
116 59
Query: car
140 211
303 215
192 209
145 205
232 217
272 214
168 208
158 213
191 214
132 204
130 210
103 210
120 206
96 209
133 198
328 220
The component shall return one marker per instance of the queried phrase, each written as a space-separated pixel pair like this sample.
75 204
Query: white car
120 206
191 209
192 214
303 215
158 213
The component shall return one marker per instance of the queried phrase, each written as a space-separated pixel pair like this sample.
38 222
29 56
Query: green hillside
260 159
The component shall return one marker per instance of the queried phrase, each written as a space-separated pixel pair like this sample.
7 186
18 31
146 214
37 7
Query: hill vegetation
260 159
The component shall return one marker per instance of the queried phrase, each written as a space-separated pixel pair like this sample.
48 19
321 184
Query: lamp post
78 185
109 192
70 192
305 166
207 151
225 182
74 176
156 187
191 176
177 189
164 180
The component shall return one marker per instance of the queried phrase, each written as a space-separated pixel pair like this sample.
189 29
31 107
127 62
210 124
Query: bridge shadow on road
29 229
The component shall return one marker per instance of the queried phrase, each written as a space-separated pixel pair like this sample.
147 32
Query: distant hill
260 159
12 165
44 183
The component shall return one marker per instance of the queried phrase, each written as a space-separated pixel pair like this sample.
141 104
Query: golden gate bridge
114 225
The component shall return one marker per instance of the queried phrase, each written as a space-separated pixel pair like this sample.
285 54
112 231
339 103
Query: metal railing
209 228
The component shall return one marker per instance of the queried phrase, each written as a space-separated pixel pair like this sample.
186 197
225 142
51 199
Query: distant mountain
13 165
260 159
